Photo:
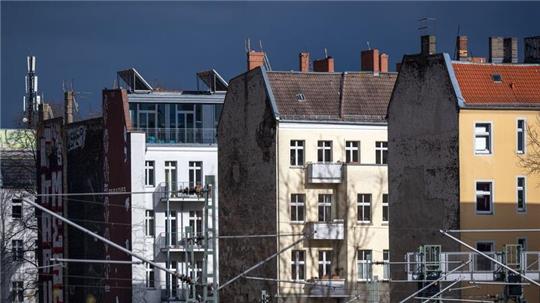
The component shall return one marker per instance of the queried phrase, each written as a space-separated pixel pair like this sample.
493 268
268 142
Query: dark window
149 223
483 263
325 207
17 289
521 204
17 250
484 198
16 208
521 136
149 169
385 207
325 264
364 208
195 173
298 264
352 151
297 207
150 276
381 152
324 151
297 153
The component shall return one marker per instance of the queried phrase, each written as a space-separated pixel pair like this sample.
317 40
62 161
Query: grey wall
423 163
247 191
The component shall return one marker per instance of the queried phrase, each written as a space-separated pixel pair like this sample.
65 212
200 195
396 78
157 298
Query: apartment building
460 138
18 273
302 168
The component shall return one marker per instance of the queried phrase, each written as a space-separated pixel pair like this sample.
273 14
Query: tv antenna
368 46
427 25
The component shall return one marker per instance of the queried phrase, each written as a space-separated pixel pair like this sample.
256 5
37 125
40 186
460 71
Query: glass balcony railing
179 135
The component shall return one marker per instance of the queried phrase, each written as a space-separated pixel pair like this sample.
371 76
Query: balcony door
147 121
185 124
174 228
171 178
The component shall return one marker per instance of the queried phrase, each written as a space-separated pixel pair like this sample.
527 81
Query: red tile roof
520 84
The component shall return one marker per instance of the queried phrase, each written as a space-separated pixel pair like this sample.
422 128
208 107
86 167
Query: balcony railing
182 191
179 135
327 288
324 172
333 230
181 241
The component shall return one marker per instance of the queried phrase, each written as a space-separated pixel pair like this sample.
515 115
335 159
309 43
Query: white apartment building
173 148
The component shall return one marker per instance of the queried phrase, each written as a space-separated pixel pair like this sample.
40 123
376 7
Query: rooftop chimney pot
461 48
303 59
532 49
428 45
496 49
255 59
325 65
369 60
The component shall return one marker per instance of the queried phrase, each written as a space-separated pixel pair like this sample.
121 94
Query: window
325 264
385 208
17 250
521 196
298 265
386 266
352 151
150 275
16 208
297 207
149 169
381 152
195 173
149 223
170 177
520 136
195 221
523 243
364 265
484 203
496 78
171 216
325 207
483 263
297 153
324 151
482 138
17 289
364 208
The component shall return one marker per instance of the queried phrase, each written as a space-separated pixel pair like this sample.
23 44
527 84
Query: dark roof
348 96
17 169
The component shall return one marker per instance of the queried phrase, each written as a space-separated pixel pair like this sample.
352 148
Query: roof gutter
453 79
269 93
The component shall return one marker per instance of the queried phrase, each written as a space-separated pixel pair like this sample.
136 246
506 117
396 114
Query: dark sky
169 42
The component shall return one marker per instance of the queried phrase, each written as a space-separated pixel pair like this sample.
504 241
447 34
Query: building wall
366 177
247 188
502 167
423 162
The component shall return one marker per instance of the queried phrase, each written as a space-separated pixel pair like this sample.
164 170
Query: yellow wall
359 178
502 167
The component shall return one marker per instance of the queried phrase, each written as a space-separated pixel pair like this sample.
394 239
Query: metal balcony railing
332 230
180 241
179 135
334 287
324 172
182 190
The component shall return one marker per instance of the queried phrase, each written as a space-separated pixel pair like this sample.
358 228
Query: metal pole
434 281
488 257
168 281
457 300
262 262
119 247
493 230
62 260
443 290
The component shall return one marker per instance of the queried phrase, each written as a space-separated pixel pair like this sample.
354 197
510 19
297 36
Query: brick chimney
428 45
68 106
510 50
532 49
303 60
325 65
496 49
383 61
369 60
255 59
462 54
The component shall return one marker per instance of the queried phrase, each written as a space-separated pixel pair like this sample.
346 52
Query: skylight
496 77
300 97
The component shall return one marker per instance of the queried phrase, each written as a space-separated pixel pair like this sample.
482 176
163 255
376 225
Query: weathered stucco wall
247 191
423 162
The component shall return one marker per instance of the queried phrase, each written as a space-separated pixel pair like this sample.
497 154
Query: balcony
333 230
180 242
186 136
324 173
327 288
181 191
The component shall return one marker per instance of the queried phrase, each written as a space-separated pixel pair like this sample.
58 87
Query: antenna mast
31 99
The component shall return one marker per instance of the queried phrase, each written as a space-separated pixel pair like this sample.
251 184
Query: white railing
179 135
334 230
182 190
324 172
327 288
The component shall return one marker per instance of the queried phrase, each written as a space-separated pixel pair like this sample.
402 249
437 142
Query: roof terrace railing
179 135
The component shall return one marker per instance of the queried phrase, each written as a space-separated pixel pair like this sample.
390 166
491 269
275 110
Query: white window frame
350 149
522 188
325 262
361 204
17 250
492 200
387 206
326 205
323 147
365 263
195 218
380 149
298 264
150 276
295 204
149 223
149 170
386 265
17 290
297 147
522 132
488 135
171 172
195 168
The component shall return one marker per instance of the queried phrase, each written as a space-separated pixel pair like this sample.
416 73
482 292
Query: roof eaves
269 93
453 79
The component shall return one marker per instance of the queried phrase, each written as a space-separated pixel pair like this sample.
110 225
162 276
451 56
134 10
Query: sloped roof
519 85
348 96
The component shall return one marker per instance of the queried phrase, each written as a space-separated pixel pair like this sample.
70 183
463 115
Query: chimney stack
68 106
461 48
325 65
369 60
428 45
303 59
510 50
383 60
255 59
532 49
496 49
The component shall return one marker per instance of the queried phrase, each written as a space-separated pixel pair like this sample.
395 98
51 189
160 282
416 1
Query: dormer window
496 78
300 97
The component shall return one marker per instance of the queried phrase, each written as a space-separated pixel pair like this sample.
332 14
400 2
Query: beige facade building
302 159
